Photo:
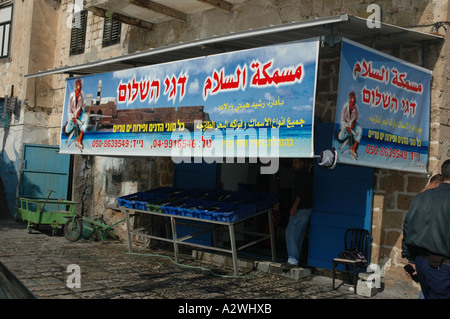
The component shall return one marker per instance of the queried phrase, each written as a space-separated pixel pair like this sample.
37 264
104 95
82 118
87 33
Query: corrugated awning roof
330 28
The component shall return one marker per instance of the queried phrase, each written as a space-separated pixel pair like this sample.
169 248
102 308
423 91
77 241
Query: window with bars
78 32
5 30
111 32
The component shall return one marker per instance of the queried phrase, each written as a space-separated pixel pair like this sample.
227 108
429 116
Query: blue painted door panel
342 199
44 169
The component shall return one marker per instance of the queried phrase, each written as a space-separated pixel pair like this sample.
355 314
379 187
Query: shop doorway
342 199
247 177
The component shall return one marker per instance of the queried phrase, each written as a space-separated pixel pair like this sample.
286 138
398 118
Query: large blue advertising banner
250 103
383 110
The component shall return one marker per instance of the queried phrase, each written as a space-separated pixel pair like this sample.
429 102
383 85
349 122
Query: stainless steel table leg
233 249
272 236
127 218
174 237
214 239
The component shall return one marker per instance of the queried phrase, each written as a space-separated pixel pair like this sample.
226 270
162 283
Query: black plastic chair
358 240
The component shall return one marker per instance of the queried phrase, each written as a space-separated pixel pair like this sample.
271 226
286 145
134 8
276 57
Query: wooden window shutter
78 33
111 32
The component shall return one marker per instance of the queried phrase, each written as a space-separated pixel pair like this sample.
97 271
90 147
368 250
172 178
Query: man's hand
293 211
411 271
294 207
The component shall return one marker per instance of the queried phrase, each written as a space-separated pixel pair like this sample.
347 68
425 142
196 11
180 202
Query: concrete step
249 265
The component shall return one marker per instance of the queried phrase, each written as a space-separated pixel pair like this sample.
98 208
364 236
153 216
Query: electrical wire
436 26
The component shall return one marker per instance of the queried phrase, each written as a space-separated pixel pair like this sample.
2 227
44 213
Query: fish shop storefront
217 131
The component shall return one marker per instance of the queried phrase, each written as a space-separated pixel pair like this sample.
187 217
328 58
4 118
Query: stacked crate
218 205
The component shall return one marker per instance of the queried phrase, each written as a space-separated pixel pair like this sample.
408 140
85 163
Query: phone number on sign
392 152
204 143
118 143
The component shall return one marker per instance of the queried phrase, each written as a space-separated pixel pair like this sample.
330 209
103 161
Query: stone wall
32 47
393 192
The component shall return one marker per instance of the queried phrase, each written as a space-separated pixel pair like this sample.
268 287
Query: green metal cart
45 212
97 226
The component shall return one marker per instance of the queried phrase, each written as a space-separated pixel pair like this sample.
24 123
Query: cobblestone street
108 271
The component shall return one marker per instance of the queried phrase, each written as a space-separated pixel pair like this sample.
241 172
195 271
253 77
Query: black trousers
435 283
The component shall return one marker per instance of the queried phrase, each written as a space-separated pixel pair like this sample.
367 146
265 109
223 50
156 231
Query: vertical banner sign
257 102
383 110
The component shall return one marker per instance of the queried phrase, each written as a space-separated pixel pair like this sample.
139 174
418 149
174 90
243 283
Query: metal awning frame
330 30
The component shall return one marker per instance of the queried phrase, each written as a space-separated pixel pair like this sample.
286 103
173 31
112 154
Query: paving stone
108 271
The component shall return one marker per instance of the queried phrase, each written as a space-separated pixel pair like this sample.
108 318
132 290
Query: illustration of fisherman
351 131
77 118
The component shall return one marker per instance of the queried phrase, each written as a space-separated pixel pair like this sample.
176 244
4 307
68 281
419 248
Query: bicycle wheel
73 229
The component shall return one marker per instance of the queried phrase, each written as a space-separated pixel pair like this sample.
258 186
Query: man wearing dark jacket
426 238
300 213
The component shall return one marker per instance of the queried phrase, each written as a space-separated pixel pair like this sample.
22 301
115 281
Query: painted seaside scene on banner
247 103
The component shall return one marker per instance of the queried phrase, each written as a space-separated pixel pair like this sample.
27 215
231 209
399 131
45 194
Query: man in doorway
426 238
300 213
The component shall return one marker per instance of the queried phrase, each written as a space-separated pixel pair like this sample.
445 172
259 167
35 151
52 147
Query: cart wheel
32 227
97 233
73 229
